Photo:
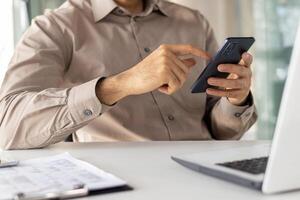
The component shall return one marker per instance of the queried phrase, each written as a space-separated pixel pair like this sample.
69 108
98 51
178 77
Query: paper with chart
53 174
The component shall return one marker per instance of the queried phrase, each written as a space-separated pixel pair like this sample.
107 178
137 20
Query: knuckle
163 53
164 61
163 70
163 47
190 47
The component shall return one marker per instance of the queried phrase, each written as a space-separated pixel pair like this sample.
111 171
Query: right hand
161 70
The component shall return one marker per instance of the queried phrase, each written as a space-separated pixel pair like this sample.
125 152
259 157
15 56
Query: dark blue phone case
230 53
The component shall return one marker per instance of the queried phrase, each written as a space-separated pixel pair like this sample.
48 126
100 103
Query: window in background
37 7
276 23
6 39
227 17
26 10
21 18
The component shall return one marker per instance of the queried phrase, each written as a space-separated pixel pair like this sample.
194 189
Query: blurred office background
272 22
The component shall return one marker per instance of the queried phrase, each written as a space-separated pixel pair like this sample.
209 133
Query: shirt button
120 11
171 117
87 112
147 50
132 19
237 114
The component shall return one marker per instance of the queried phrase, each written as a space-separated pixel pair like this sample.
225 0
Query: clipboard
11 163
87 180
77 192
6 161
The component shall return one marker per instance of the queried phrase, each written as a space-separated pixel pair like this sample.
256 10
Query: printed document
53 174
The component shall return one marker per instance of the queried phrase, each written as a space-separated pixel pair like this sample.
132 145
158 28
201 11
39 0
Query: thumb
246 60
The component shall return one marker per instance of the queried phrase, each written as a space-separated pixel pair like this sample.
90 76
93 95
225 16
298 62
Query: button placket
132 21
144 51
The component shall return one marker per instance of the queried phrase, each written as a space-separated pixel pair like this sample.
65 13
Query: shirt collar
102 8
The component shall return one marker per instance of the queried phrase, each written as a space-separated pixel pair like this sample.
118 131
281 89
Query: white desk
148 168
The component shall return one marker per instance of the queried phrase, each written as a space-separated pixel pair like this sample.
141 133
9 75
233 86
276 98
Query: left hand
236 87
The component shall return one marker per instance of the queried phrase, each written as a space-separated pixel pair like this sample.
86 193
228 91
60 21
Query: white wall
227 17
6 35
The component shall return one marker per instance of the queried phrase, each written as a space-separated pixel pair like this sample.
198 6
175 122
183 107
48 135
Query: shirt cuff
240 112
83 102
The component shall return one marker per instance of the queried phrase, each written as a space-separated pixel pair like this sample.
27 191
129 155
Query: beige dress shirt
49 89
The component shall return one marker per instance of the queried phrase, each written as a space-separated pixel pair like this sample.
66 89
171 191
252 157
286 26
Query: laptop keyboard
252 166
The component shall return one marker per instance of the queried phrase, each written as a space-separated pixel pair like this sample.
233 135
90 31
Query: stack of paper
53 174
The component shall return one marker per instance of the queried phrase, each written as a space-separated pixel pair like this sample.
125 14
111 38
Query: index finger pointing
188 49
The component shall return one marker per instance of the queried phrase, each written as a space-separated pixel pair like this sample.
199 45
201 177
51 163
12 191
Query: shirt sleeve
228 121
35 110
223 119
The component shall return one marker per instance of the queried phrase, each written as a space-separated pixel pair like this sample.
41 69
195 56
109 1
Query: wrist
110 90
239 102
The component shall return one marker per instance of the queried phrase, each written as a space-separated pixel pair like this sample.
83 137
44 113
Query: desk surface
148 168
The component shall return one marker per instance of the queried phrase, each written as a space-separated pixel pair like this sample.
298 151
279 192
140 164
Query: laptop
269 168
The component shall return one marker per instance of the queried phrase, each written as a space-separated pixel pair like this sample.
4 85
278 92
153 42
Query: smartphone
230 53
